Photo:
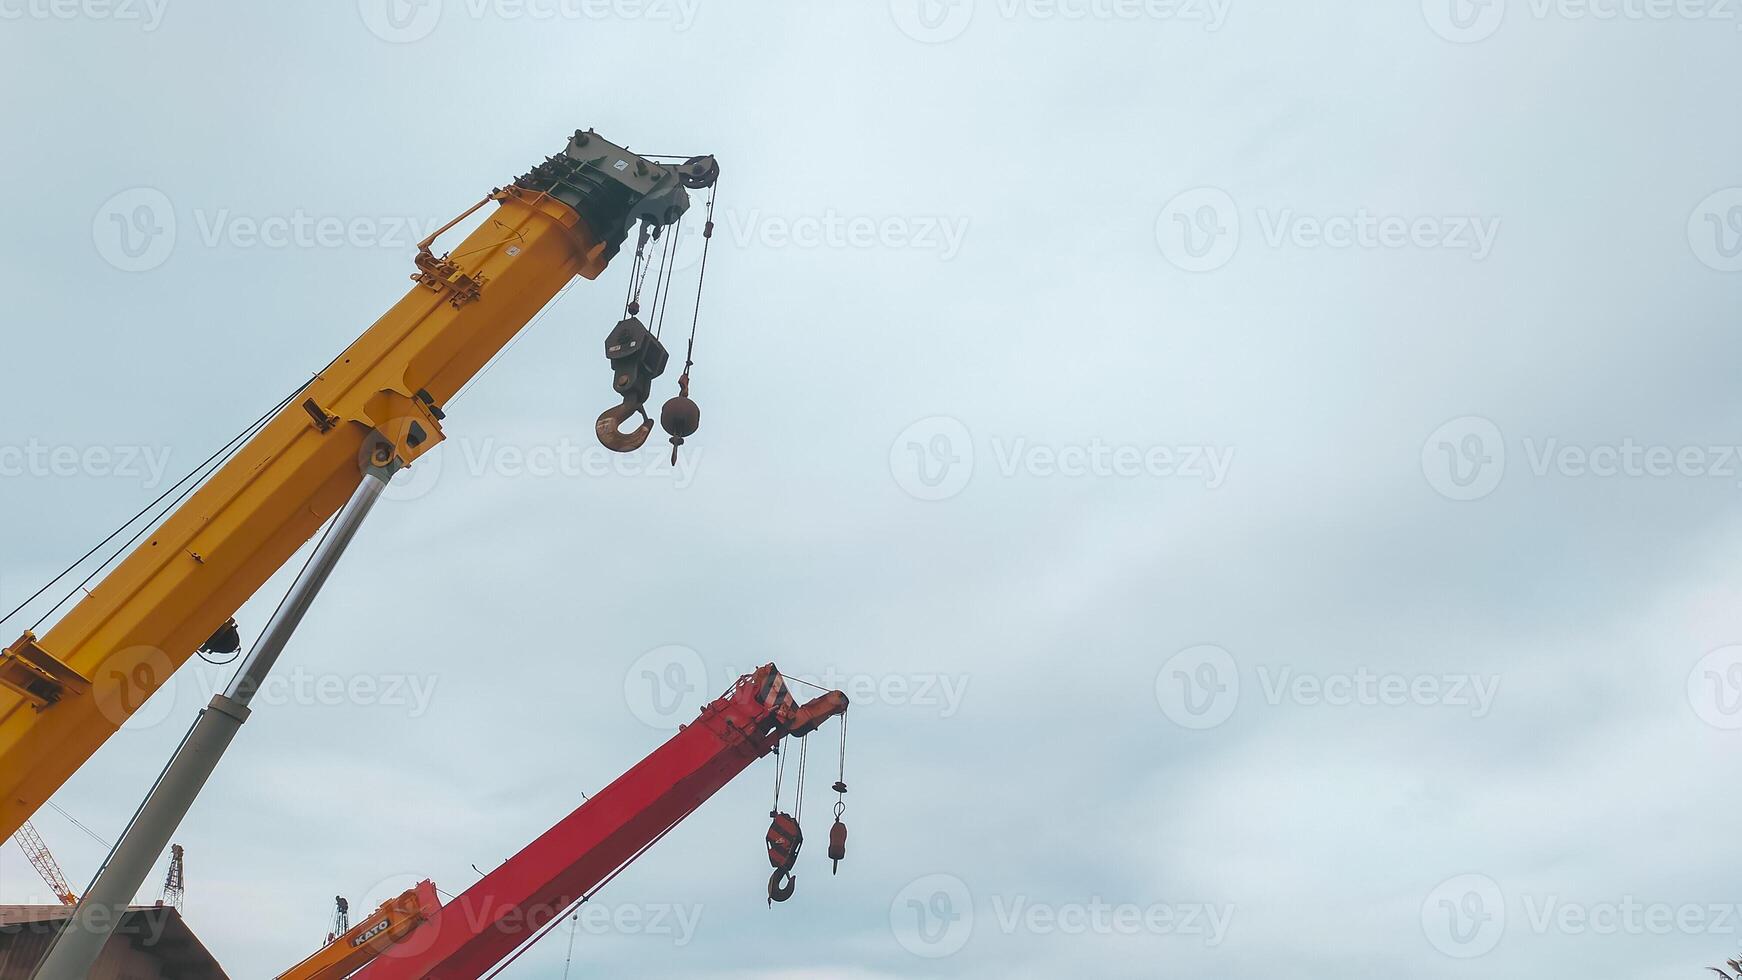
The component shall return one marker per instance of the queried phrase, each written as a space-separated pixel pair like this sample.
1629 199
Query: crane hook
609 428
637 358
781 886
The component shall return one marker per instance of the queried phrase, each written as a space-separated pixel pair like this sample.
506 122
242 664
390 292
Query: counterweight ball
680 418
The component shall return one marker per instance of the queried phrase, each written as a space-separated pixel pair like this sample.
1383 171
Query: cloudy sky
1265 470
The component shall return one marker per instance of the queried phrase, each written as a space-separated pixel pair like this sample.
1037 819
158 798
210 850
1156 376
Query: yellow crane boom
63 694
345 954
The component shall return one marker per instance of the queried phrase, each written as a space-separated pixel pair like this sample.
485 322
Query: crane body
62 695
350 950
507 909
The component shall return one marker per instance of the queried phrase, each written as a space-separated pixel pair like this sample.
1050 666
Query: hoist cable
639 273
804 745
56 807
668 266
810 684
779 775
570 961
208 469
701 279
633 294
222 455
843 776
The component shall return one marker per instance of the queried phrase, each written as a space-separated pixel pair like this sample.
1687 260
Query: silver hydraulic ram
82 938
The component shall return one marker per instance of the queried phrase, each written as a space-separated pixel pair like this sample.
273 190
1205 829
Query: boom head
612 188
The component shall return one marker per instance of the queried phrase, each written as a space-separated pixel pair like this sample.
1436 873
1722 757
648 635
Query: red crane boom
508 907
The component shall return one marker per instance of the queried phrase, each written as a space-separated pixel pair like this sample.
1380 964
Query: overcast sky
1265 470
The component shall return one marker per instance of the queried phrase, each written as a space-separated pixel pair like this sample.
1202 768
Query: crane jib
63 694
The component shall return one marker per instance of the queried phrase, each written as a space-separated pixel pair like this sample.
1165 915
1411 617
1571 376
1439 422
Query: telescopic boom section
507 907
63 695
392 923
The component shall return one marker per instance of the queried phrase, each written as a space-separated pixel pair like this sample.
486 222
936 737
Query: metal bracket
444 273
323 419
30 670
437 275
